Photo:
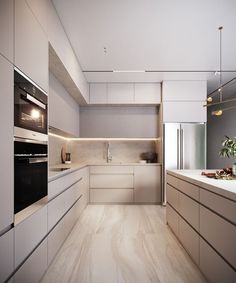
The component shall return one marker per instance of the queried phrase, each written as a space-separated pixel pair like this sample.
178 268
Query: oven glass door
30 113
30 173
30 181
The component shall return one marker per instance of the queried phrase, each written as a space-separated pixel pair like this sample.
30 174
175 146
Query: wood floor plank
122 243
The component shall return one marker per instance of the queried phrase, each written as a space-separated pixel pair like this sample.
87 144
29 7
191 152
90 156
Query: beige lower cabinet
111 195
204 222
29 233
113 181
172 219
172 196
189 210
125 184
189 239
213 266
34 267
55 239
7 252
147 184
111 184
220 235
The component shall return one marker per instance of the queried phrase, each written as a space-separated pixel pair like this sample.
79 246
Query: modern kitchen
118 141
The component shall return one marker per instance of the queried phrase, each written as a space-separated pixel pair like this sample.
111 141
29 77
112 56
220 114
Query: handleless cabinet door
220 233
98 93
34 267
147 93
189 239
7 147
172 219
29 233
6 28
55 240
147 184
31 45
189 209
120 93
213 266
7 255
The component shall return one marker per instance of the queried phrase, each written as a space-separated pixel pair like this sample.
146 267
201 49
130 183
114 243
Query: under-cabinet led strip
103 139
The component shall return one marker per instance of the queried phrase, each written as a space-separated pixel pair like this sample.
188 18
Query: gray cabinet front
7 147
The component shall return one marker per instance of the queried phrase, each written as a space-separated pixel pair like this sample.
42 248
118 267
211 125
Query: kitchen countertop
226 188
52 175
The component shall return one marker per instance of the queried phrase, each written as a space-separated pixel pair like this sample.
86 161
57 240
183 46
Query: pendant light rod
220 87
229 83
219 103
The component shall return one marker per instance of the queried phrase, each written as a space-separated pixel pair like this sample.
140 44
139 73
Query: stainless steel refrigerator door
171 149
193 146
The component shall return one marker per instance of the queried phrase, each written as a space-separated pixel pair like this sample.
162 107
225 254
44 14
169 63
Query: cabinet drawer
55 240
172 219
110 169
6 251
70 219
29 233
220 234
172 196
189 209
189 239
189 189
221 205
56 209
34 267
111 181
57 186
71 195
111 196
213 266
172 181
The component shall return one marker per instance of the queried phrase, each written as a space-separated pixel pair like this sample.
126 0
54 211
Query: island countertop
226 188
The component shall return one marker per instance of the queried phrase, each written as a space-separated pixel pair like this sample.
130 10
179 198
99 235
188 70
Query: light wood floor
122 243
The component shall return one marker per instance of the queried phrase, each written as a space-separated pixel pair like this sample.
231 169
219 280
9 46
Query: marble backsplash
96 151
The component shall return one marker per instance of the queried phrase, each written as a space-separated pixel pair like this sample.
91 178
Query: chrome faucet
109 156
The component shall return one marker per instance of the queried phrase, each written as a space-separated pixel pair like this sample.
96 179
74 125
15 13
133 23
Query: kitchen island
201 212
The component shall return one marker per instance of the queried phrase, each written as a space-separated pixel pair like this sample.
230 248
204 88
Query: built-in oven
31 172
30 108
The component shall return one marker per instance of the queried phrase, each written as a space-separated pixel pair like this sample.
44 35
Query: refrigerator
184 147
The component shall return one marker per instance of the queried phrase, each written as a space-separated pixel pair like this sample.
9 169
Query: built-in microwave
30 109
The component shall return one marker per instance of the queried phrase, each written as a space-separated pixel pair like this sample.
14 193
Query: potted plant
229 149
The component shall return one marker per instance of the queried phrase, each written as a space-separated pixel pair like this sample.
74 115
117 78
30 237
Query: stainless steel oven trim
29 136
23 75
35 101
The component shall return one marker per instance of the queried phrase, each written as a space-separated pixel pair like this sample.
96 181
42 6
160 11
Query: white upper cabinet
147 93
6 29
184 111
98 93
31 45
184 90
125 93
7 146
183 101
120 93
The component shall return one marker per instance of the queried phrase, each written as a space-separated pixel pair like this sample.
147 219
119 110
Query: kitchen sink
59 169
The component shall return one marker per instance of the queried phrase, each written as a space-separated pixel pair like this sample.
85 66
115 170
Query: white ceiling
163 35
